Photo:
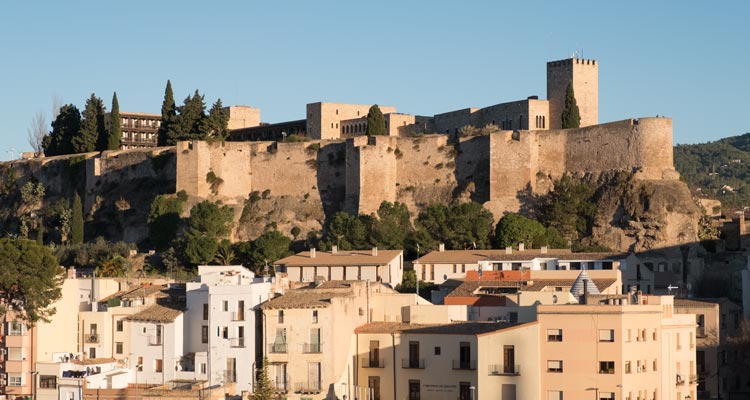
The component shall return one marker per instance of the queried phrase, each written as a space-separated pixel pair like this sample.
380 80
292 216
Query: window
205 312
315 316
413 390
47 382
204 334
654 364
139 366
606 367
118 347
627 367
606 335
281 316
16 328
225 305
225 332
119 326
554 366
509 359
203 368
554 395
16 354
464 391
554 335
437 350
158 365
15 380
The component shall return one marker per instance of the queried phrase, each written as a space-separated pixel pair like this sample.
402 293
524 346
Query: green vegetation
207 224
571 116
513 229
115 126
76 221
265 250
64 128
263 389
30 280
463 226
375 122
718 170
168 116
570 207
164 220
189 121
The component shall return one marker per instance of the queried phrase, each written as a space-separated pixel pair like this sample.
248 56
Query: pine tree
215 125
192 115
168 116
92 131
64 129
571 117
375 122
263 389
115 128
76 228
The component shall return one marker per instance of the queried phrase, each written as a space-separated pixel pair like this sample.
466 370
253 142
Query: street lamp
473 392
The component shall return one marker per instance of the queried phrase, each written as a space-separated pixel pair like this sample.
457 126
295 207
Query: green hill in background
718 170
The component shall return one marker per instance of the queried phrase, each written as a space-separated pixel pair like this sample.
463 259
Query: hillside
718 170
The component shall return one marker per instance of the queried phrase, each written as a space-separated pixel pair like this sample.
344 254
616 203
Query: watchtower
583 74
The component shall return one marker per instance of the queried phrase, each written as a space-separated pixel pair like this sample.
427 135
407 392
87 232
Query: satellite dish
554 299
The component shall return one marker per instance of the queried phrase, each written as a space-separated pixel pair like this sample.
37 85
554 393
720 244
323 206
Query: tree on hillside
30 280
265 250
207 224
215 124
466 225
571 117
76 224
389 231
64 129
570 207
92 131
263 389
348 232
164 220
115 128
375 122
168 116
513 229
37 132
190 120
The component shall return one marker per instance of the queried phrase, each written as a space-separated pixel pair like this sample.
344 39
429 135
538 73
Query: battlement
570 61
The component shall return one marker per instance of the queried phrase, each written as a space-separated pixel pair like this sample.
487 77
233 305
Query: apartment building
156 344
68 378
139 130
220 324
463 360
442 265
707 334
386 266
617 347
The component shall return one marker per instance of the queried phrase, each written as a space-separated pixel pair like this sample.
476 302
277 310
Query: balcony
237 342
280 385
91 338
311 348
700 332
277 348
499 369
238 316
307 387
412 363
155 341
469 365
368 363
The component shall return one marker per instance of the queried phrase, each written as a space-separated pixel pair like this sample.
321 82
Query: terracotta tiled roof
474 256
689 303
467 288
350 257
157 313
139 292
305 298
455 328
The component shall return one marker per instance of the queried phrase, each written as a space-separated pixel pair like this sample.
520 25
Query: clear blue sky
688 60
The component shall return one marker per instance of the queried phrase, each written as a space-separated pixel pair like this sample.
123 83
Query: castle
338 168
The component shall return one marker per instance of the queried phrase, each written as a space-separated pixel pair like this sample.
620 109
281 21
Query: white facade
220 323
156 350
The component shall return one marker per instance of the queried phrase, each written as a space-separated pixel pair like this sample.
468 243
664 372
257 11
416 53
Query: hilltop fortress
423 160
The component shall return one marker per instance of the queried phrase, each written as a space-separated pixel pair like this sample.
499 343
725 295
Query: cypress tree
215 124
263 389
375 121
192 115
76 226
64 129
92 131
115 128
168 116
571 116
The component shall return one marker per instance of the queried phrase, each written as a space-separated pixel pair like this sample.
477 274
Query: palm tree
114 266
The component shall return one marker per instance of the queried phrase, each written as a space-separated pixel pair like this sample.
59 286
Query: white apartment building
156 344
220 324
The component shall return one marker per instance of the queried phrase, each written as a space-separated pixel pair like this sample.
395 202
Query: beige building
463 360
617 347
386 266
324 120
707 334
139 130
309 333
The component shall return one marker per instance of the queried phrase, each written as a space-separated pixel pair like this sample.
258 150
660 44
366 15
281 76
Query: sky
684 59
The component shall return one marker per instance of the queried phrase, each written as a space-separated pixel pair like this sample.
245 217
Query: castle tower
584 76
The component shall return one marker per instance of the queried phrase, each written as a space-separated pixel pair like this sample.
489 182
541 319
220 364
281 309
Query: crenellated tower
584 76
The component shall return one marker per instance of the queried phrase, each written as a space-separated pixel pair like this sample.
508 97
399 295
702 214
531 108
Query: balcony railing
412 363
465 364
508 369
277 348
237 342
311 348
700 332
91 338
307 387
368 363
280 385
155 341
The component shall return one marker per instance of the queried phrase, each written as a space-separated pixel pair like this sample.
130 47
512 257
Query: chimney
585 291
544 249
521 246
374 251
334 249
508 250
312 252
441 247
71 273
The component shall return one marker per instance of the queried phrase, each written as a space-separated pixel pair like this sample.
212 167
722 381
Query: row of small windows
605 367
140 123
541 121
608 335
355 128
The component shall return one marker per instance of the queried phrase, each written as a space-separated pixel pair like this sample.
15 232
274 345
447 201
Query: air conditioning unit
4 351
4 378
